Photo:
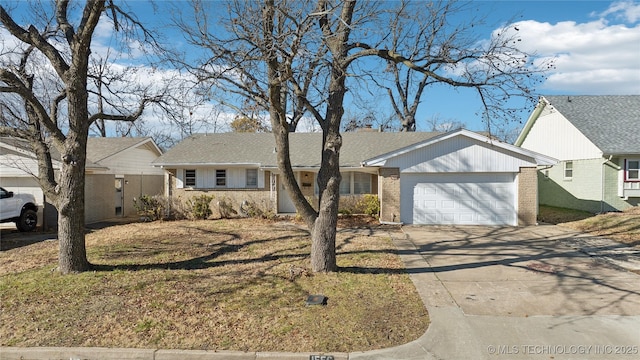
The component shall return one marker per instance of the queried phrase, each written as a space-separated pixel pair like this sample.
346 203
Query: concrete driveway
518 293
538 270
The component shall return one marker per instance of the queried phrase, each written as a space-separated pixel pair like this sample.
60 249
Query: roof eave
181 164
542 103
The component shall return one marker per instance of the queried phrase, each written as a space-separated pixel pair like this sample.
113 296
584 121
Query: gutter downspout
602 183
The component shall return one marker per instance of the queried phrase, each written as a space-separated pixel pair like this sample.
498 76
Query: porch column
389 194
527 196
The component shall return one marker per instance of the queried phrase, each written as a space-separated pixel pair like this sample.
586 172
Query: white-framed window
568 170
190 177
355 183
252 178
632 170
221 177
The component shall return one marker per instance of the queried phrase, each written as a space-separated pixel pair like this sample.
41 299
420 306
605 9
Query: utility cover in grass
317 300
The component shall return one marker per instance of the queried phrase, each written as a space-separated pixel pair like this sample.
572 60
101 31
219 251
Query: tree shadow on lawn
209 260
228 247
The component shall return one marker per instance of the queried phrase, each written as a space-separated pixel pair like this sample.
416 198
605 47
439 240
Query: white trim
197 165
564 170
540 159
626 170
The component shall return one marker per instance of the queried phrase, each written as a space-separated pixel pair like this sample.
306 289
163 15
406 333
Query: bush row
160 207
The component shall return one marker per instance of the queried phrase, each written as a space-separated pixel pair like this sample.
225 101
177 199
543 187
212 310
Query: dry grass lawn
619 226
223 285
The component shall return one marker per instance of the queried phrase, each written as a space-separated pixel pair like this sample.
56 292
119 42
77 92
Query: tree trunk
408 123
72 251
323 242
323 232
73 254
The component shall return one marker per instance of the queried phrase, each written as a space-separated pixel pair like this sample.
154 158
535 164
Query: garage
459 199
459 178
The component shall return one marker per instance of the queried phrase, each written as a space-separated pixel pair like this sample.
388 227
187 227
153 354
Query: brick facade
527 196
389 179
234 197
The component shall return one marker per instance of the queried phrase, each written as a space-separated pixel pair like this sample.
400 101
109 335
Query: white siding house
596 139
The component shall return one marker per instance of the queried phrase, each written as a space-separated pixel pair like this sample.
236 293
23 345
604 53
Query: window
632 171
345 184
568 170
252 178
355 183
361 183
190 177
221 177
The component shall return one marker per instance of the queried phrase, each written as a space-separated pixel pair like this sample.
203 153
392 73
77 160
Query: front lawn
620 226
217 284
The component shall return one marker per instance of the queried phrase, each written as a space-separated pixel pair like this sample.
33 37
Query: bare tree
437 123
429 48
246 84
267 51
248 125
354 121
47 101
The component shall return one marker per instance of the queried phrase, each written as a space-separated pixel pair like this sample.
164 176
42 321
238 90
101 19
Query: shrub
150 208
225 207
254 210
199 206
369 204
160 207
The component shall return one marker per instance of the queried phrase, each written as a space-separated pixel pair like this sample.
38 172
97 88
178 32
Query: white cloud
591 58
625 10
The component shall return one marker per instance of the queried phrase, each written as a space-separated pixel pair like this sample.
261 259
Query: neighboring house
117 170
597 140
129 161
459 177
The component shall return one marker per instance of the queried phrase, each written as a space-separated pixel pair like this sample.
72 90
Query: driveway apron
518 293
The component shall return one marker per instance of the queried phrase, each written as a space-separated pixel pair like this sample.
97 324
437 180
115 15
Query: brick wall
389 182
527 196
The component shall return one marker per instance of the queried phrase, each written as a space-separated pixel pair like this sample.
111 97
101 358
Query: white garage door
460 199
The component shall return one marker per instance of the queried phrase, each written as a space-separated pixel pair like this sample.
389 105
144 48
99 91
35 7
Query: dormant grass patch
216 284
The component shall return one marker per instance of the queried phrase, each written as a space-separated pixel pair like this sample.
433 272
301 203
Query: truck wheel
27 221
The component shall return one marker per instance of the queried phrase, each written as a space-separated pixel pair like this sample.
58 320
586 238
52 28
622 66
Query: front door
119 199
285 204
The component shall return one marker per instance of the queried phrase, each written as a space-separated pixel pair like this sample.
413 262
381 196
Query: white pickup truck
18 208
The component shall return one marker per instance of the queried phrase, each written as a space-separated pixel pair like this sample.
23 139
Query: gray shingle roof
611 122
250 148
55 155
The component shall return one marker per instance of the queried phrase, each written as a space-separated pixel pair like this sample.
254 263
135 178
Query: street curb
88 353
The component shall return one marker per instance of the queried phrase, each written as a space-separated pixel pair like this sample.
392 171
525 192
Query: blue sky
596 45
580 34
